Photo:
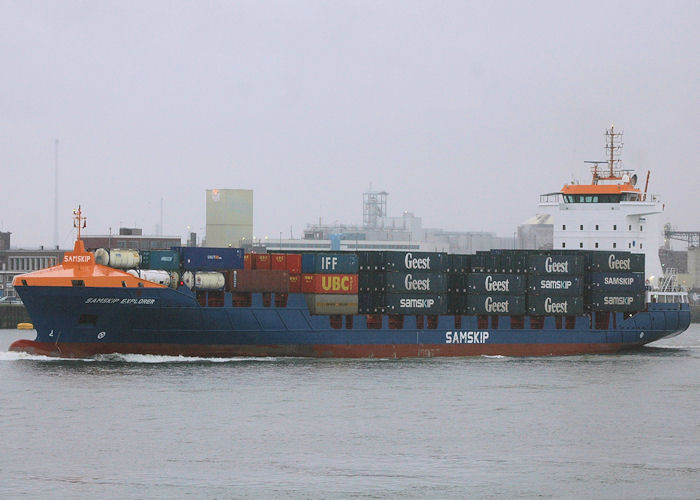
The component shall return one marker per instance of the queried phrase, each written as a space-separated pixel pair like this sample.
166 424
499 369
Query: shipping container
631 282
294 283
160 276
435 262
371 261
458 263
257 280
617 301
248 261
502 305
294 263
555 285
329 263
278 261
456 303
404 303
166 260
204 280
624 262
416 282
262 261
210 259
457 283
501 284
330 283
332 304
372 281
118 259
554 305
371 303
555 264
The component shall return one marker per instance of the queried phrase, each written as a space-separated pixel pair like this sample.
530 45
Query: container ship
592 293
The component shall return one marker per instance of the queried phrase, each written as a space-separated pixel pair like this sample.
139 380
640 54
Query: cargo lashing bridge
691 237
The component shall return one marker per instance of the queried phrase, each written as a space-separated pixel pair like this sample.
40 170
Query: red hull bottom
87 350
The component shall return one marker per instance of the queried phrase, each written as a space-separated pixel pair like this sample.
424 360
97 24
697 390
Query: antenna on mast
614 146
55 197
78 220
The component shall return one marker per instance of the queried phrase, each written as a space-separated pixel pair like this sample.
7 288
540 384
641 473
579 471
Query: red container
257 280
294 283
294 263
345 284
307 283
261 261
279 261
248 261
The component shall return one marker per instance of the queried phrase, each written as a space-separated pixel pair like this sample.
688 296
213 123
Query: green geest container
501 305
555 264
616 262
416 282
616 301
498 284
165 260
554 305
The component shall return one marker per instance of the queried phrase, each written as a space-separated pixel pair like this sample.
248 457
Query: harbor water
603 426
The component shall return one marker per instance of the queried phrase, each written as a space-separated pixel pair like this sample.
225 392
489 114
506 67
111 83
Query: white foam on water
128 358
15 356
154 359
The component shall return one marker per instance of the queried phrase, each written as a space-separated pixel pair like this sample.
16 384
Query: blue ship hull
87 321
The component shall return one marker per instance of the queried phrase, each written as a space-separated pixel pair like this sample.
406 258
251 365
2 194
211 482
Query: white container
204 280
153 275
124 259
118 259
102 257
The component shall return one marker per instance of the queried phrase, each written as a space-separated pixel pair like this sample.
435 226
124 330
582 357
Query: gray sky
464 111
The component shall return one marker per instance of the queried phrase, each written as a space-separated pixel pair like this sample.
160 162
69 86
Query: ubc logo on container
338 283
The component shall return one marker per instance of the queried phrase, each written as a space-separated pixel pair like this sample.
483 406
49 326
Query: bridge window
563 244
641 228
581 227
614 245
563 227
630 227
596 244
614 227
580 245
641 245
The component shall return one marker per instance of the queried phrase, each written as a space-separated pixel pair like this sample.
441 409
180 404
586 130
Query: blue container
210 258
555 285
631 282
329 263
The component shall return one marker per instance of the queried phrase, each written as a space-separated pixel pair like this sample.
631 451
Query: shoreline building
229 217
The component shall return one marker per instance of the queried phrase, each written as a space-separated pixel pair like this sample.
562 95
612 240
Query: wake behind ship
220 302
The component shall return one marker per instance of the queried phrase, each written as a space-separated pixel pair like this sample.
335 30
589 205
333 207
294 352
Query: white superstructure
611 213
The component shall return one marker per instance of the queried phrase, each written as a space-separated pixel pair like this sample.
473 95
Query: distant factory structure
16 261
378 231
130 238
229 217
